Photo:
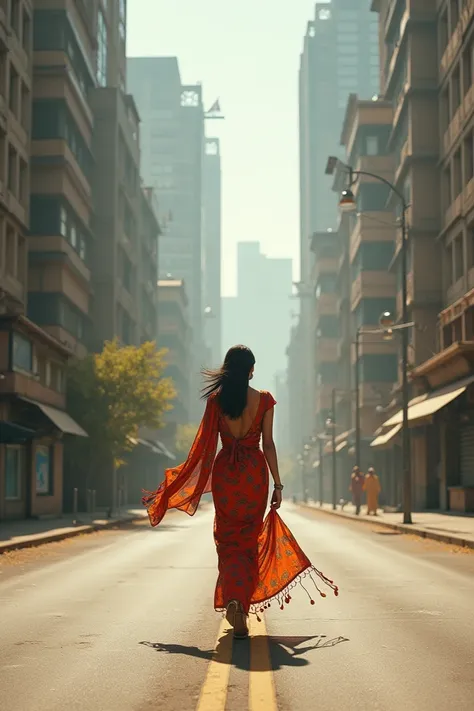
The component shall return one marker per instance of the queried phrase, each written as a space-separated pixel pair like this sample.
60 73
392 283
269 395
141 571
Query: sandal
237 618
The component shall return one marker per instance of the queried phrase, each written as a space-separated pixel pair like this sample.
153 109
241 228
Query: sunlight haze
246 54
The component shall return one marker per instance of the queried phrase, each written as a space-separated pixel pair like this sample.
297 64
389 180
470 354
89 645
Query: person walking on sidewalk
372 490
357 487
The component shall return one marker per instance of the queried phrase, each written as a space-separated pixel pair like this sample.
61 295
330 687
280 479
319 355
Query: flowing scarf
281 562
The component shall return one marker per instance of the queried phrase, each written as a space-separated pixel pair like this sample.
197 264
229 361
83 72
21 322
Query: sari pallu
259 560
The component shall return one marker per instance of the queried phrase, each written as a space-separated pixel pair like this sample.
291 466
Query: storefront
33 423
441 425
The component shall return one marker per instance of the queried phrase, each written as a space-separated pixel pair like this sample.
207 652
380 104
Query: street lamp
347 203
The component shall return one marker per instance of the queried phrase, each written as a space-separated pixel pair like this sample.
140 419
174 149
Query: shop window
22 353
14 467
44 470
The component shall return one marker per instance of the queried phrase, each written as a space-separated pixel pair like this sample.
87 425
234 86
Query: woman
259 561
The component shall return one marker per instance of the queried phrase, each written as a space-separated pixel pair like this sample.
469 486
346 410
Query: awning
59 418
11 433
431 403
385 438
339 447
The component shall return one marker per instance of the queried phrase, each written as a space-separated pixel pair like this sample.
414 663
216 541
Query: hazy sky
246 53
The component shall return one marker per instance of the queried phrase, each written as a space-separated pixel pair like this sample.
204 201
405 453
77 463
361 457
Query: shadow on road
284 651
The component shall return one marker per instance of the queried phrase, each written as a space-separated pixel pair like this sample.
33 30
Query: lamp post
357 397
347 203
321 471
331 422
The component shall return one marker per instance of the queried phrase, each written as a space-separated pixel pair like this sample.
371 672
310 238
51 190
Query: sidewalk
35 532
455 529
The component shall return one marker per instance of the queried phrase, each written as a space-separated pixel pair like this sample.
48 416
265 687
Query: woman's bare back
240 427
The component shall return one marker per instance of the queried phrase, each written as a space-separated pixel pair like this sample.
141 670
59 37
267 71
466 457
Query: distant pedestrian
372 489
357 487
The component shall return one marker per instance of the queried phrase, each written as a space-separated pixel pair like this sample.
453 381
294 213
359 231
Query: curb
400 527
40 539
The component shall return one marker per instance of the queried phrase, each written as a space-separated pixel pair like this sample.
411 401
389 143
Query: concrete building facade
33 420
212 232
174 334
340 56
61 231
173 148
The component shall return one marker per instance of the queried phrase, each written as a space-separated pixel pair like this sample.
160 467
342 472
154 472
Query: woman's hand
276 499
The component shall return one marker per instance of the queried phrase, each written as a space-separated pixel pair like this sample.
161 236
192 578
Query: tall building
60 241
413 66
366 285
212 228
32 362
340 56
260 315
172 135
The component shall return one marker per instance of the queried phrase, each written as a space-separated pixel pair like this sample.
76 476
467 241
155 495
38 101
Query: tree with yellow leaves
114 393
184 439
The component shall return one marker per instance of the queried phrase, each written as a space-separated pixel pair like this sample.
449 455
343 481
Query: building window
63 221
22 353
82 249
73 237
53 119
373 197
26 31
458 258
12 168
13 90
101 50
10 249
43 470
122 19
378 368
372 145
14 468
15 16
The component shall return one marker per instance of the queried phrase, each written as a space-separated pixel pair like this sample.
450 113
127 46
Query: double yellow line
262 696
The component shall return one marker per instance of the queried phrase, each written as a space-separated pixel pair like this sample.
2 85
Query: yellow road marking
214 691
262 695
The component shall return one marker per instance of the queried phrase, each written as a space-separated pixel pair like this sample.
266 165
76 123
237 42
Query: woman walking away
259 560
372 489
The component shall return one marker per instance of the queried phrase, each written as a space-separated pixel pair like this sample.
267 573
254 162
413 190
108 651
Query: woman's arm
270 453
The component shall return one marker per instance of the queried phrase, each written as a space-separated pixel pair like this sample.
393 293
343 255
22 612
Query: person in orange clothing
372 490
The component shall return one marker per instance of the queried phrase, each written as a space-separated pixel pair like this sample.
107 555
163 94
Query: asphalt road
122 621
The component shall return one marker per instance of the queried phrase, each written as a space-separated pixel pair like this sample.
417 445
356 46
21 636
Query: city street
122 620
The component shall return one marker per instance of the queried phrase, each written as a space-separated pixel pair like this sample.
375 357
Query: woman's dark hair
230 382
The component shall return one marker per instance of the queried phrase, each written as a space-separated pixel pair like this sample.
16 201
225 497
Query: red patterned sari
259 560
